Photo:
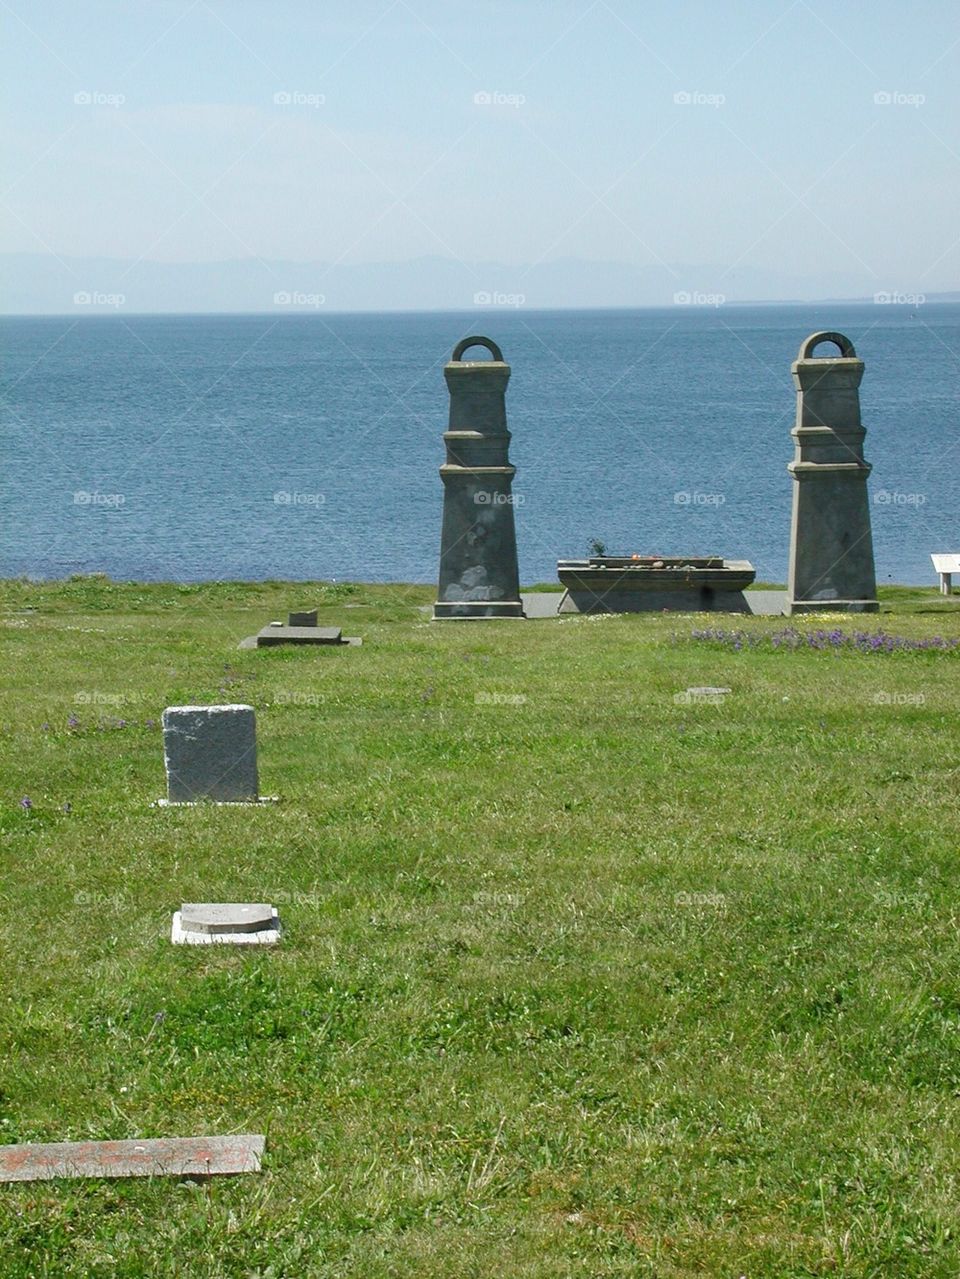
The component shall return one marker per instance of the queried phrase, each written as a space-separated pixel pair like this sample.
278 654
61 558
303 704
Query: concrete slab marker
152 1157
230 923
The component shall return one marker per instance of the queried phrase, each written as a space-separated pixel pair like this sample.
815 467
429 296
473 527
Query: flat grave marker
152 1157
230 923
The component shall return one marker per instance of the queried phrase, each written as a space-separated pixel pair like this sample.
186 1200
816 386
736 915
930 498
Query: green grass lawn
578 978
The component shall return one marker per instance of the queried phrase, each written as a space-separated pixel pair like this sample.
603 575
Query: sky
789 136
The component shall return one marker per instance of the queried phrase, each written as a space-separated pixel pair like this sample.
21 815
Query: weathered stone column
479 577
831 545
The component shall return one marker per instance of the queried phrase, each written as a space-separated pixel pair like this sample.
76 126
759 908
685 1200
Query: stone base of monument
230 923
647 583
477 610
833 606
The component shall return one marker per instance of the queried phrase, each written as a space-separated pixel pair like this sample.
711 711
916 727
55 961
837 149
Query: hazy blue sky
807 136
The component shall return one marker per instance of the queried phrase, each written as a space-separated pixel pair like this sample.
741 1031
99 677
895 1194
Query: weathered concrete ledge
620 584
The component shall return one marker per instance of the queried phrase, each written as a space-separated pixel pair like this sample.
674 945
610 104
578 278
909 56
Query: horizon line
107 312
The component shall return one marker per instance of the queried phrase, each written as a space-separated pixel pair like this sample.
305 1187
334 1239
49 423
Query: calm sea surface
307 446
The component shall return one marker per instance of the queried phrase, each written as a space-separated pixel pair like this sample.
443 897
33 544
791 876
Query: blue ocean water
307 446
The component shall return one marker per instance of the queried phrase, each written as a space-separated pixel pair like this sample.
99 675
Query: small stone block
233 923
161 1157
308 618
210 753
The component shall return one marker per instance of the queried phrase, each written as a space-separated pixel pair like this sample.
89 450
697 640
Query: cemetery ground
578 977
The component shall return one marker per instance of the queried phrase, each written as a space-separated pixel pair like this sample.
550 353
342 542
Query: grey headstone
308 618
210 752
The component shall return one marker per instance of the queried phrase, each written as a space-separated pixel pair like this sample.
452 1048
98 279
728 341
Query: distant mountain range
41 284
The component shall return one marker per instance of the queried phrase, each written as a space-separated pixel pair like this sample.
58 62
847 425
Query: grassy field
579 977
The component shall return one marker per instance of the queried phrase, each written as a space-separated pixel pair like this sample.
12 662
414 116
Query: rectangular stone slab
156 1157
271 635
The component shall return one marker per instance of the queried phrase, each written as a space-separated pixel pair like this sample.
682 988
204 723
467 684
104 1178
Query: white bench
946 566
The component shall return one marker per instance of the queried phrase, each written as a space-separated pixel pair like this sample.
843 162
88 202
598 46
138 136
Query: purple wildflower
821 640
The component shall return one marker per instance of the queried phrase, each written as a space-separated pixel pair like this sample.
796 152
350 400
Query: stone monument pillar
479 577
831 546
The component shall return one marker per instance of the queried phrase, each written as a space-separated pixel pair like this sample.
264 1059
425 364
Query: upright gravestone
479 577
210 753
831 545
